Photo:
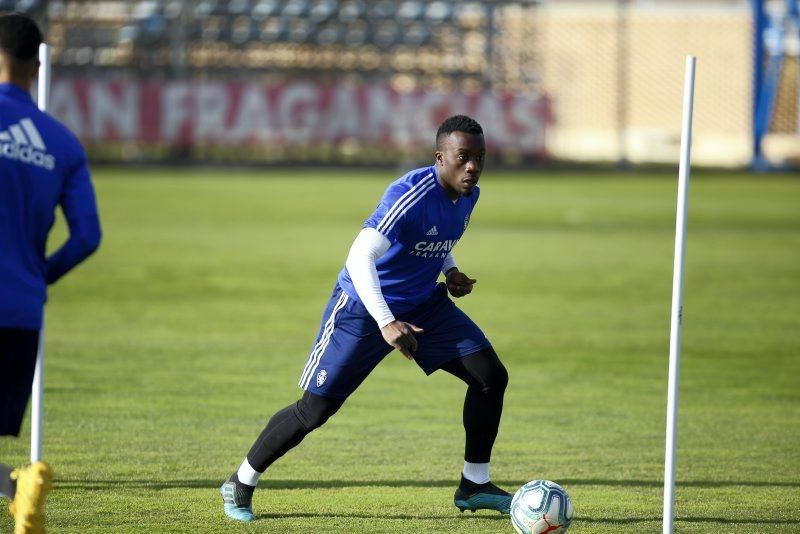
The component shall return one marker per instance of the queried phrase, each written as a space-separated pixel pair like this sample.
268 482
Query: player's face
459 162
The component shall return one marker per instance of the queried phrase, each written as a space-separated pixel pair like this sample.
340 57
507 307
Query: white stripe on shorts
319 348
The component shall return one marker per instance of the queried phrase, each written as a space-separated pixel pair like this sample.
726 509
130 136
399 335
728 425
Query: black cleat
471 496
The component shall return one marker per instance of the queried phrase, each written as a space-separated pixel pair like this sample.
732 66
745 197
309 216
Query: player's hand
458 283
400 335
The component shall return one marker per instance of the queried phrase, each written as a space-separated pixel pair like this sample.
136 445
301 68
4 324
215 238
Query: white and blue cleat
237 500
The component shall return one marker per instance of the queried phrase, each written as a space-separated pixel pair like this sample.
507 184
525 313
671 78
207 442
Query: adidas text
27 154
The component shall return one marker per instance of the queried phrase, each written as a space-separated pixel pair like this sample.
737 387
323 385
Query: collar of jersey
15 91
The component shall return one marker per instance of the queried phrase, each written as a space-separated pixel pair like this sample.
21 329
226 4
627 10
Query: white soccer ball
540 507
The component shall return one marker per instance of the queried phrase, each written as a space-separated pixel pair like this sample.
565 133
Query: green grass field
169 349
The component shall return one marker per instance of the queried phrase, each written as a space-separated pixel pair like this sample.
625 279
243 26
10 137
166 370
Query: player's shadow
277 484
479 516
281 484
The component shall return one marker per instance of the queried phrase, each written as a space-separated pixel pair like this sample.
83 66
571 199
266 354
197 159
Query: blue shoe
471 496
237 499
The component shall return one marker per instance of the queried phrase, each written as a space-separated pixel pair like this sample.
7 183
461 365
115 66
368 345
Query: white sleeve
368 246
449 263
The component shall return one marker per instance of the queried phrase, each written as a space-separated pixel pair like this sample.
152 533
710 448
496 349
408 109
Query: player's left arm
458 283
80 210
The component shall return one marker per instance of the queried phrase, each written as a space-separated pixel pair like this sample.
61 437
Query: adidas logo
433 231
19 131
321 376
22 142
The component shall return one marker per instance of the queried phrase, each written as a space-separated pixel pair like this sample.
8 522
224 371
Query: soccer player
42 166
387 297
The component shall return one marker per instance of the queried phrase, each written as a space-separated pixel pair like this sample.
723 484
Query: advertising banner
250 121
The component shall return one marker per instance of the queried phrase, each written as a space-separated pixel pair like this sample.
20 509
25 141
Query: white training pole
43 87
37 393
37 402
677 297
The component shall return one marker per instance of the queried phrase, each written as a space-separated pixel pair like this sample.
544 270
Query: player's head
19 45
460 150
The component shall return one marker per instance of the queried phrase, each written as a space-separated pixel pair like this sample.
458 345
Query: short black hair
20 37
457 123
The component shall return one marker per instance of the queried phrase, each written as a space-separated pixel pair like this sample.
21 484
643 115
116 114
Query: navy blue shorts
349 344
18 350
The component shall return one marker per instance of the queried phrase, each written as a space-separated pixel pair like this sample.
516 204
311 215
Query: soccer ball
539 507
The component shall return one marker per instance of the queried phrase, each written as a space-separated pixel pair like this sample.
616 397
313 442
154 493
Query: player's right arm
80 210
368 246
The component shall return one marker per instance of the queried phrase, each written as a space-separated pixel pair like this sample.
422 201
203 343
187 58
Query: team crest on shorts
321 376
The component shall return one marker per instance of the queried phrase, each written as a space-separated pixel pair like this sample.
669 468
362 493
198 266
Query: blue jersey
42 165
423 225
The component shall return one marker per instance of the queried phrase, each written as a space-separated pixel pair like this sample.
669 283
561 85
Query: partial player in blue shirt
422 224
42 167
387 297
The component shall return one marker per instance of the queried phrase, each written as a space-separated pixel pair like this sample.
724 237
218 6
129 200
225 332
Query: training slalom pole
37 393
677 297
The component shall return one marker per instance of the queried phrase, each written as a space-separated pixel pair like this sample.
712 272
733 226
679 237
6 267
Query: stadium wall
567 80
616 80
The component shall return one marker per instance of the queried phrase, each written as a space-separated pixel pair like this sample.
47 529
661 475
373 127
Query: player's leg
486 380
18 361
348 346
8 485
27 486
454 343
284 431
287 428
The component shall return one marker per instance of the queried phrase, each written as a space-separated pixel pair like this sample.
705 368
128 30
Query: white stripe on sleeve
404 203
368 246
